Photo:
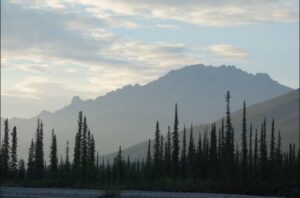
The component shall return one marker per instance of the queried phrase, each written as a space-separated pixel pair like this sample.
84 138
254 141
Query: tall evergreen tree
168 153
255 160
199 158
84 149
156 151
278 157
53 155
77 147
148 161
13 153
213 151
30 162
5 158
39 151
161 155
191 158
67 158
272 148
21 169
263 152
175 146
183 154
250 152
244 164
229 144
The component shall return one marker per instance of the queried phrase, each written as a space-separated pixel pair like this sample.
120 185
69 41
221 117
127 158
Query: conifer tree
175 146
191 158
39 151
156 151
84 149
250 152
244 164
53 155
13 153
21 169
168 152
119 164
30 162
213 151
255 160
263 151
199 158
77 147
183 154
278 157
229 144
272 148
67 158
161 155
92 156
148 161
5 158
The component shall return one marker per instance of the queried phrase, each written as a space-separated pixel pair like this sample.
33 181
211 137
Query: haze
53 51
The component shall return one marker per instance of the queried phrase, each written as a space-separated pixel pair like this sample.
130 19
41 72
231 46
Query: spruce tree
30 161
53 155
199 157
191 155
175 146
250 152
263 152
255 160
84 149
67 158
13 152
244 164
229 144
168 153
77 147
156 151
5 158
21 169
183 154
39 151
272 148
213 151
148 161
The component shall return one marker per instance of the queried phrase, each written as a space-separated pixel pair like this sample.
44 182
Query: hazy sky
55 50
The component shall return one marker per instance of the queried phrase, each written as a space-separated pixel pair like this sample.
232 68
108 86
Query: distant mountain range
128 115
283 109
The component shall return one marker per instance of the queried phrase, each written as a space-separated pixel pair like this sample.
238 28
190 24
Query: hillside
284 109
127 115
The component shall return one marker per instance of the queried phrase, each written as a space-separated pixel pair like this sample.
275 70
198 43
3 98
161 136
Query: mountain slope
284 109
127 115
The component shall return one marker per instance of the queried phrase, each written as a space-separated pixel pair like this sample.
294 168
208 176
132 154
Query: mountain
283 109
127 115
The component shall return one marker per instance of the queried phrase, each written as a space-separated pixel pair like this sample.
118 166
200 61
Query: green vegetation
212 163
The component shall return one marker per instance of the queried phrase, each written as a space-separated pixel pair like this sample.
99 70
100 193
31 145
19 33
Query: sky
56 49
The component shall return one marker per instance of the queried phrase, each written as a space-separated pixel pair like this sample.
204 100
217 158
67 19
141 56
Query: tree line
212 161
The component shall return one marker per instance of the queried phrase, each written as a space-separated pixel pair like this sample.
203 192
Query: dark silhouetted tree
175 146
244 153
13 152
53 155
183 154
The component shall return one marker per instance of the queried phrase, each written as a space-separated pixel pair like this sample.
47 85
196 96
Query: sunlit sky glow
52 50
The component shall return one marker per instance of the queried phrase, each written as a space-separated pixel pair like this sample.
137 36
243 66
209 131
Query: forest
209 162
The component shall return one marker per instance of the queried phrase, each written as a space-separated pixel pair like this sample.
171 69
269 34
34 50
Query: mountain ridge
126 116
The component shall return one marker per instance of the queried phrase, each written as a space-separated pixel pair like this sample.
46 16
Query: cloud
207 13
229 52
167 26
77 47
